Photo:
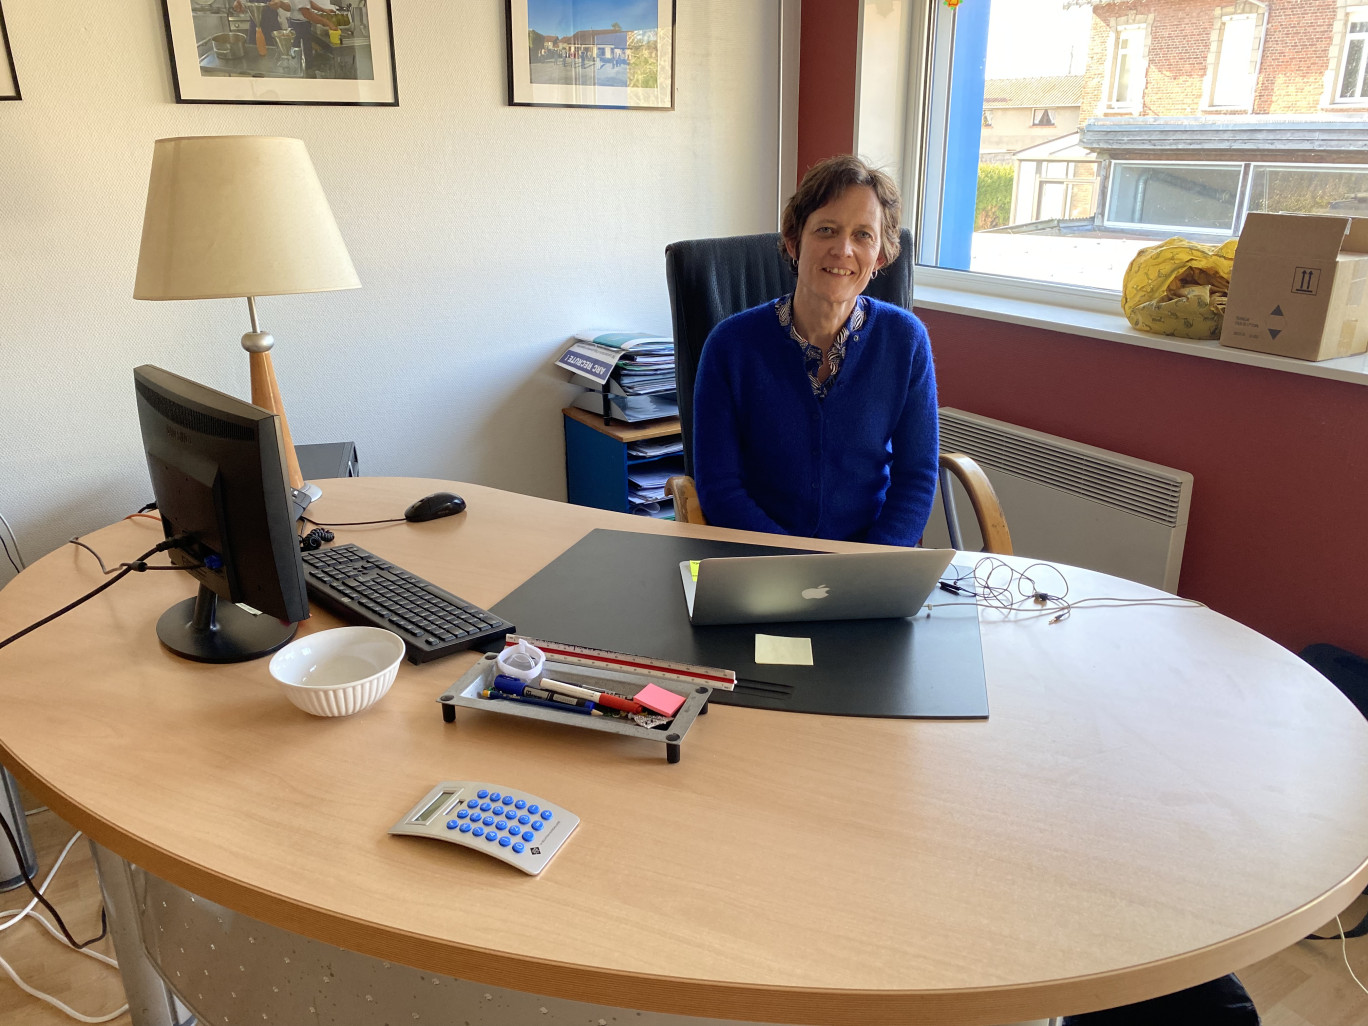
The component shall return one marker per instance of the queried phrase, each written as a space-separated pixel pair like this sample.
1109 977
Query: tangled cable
1041 589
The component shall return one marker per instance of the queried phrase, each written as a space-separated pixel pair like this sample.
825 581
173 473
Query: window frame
1129 26
920 167
1042 117
1224 17
1352 16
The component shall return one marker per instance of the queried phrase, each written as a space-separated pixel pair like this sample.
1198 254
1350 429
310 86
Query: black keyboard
363 588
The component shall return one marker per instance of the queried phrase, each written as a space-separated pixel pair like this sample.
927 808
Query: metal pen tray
465 693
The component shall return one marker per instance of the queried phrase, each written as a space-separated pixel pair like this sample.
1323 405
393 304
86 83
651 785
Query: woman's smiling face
841 246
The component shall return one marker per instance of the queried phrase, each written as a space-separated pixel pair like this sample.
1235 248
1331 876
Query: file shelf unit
597 462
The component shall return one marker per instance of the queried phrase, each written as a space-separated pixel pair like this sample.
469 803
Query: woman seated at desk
815 414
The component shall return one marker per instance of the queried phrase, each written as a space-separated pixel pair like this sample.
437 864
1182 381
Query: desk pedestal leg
150 1002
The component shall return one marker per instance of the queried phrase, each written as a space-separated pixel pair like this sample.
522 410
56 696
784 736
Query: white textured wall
483 234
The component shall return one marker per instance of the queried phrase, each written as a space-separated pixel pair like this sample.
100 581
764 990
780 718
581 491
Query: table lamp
241 216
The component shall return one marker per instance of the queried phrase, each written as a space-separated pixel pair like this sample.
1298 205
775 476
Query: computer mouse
434 506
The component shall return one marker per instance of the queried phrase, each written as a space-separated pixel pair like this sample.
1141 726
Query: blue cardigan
770 456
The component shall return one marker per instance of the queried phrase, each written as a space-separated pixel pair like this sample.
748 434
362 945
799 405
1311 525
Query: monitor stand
201 629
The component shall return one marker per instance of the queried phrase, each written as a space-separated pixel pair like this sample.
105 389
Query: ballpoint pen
585 709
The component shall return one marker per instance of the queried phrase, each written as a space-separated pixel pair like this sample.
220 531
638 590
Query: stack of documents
646 486
634 369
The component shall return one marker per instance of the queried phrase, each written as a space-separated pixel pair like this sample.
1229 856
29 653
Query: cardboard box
1299 287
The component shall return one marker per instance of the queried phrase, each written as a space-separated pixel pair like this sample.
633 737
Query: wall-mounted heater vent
1072 503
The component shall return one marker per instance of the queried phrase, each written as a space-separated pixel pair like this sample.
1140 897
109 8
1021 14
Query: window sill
1093 313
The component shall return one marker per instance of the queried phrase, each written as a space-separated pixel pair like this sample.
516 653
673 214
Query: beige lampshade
238 215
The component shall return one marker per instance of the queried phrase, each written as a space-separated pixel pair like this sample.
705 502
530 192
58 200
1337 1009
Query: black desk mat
620 591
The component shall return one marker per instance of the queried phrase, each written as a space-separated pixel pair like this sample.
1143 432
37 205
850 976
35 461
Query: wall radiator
1071 503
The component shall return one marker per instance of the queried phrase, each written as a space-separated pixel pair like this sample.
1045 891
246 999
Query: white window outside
1042 117
1127 67
1353 85
1233 85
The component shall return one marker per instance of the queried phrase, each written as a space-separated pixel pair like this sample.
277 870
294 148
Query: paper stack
632 374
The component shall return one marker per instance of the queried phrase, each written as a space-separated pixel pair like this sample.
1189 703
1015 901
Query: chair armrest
988 511
687 510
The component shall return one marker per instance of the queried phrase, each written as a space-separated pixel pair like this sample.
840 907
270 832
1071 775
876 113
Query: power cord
138 564
16 560
1040 590
16 916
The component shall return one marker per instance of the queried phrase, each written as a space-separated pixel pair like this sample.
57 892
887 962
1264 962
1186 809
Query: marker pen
604 698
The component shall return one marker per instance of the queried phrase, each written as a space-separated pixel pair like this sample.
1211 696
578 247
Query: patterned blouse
812 356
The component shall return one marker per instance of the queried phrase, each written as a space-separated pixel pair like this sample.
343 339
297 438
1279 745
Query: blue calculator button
465 828
491 836
519 847
495 796
478 831
501 825
505 841
497 810
463 814
537 824
482 793
520 804
452 824
529 836
474 803
510 814
488 821
485 806
524 819
533 809
546 813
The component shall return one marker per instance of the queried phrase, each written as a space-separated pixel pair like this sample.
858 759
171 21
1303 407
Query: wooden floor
1304 985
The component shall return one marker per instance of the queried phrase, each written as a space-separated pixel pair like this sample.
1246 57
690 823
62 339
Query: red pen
604 698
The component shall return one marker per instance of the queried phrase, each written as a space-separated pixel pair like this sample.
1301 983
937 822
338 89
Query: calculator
519 828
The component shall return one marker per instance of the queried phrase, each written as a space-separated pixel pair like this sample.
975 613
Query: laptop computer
811 586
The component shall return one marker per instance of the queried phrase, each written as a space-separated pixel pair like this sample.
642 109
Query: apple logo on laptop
819 592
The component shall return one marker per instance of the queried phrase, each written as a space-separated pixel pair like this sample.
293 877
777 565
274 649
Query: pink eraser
659 700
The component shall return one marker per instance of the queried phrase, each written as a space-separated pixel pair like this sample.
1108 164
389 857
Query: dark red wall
1278 532
826 87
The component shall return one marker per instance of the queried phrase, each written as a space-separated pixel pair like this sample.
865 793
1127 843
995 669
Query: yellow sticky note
770 648
693 570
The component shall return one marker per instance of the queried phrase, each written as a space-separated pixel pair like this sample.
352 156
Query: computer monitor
218 475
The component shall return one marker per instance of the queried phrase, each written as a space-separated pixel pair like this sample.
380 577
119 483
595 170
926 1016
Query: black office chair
711 279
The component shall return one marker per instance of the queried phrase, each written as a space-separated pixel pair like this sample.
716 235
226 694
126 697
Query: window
1127 67
1072 208
1233 81
987 119
1354 67
1180 195
1042 117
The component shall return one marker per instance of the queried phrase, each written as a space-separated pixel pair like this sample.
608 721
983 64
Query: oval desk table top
1159 796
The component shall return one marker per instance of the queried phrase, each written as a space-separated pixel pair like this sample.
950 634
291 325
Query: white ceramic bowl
340 671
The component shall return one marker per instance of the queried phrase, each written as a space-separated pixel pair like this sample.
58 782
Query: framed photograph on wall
591 53
9 81
282 51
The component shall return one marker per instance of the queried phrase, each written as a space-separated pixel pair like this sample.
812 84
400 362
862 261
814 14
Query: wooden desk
1159 797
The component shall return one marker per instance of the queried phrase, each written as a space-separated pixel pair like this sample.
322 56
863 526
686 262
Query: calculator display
426 815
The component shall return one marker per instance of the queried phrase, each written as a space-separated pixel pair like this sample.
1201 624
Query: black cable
23 870
128 568
7 553
136 564
357 523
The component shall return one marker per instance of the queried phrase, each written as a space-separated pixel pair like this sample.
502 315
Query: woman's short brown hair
827 180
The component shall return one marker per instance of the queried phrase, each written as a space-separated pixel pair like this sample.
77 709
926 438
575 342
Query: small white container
340 671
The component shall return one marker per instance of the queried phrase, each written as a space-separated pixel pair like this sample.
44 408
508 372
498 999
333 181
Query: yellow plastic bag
1178 288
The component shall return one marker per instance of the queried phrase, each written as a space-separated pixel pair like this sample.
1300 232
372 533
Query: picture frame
9 78
216 49
591 53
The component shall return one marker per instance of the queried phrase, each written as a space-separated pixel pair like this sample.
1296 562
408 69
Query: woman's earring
874 274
